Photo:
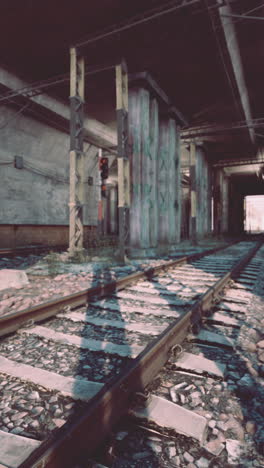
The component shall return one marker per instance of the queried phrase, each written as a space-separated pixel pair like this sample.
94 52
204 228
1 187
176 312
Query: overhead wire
248 12
15 115
244 14
233 15
136 21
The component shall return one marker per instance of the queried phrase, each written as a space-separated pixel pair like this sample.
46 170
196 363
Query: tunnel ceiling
185 51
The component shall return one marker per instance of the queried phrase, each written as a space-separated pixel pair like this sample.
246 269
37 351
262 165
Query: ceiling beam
235 57
95 132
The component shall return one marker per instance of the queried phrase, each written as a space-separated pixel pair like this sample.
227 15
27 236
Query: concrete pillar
155 167
225 200
169 183
193 193
173 173
200 196
203 187
163 192
178 187
217 191
153 196
140 160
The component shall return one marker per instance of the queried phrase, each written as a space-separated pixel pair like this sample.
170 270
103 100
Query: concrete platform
171 416
15 449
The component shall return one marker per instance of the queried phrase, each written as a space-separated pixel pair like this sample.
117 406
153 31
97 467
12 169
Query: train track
114 349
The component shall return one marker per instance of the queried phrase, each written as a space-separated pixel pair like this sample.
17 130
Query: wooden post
193 192
76 151
123 161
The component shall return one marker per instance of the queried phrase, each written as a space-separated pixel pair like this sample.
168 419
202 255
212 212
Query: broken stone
233 376
212 424
215 447
235 427
12 279
251 347
34 396
58 422
202 463
154 446
188 457
234 451
182 399
141 455
260 344
261 370
259 439
251 427
246 387
171 451
261 355
121 435
173 395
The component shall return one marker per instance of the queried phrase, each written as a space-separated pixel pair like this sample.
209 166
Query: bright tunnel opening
254 213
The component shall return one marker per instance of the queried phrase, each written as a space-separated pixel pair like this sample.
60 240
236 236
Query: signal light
103 166
103 191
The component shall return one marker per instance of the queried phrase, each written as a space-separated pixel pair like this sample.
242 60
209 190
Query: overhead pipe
234 52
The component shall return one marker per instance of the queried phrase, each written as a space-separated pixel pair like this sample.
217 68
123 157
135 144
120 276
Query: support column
193 198
123 161
178 187
203 191
163 189
141 164
76 151
174 183
153 197
225 194
217 201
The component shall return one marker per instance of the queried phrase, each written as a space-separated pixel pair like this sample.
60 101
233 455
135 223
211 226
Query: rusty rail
11 322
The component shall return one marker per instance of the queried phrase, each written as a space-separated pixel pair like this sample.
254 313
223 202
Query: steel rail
86 433
11 322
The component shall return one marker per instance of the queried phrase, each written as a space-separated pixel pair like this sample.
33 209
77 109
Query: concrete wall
38 193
